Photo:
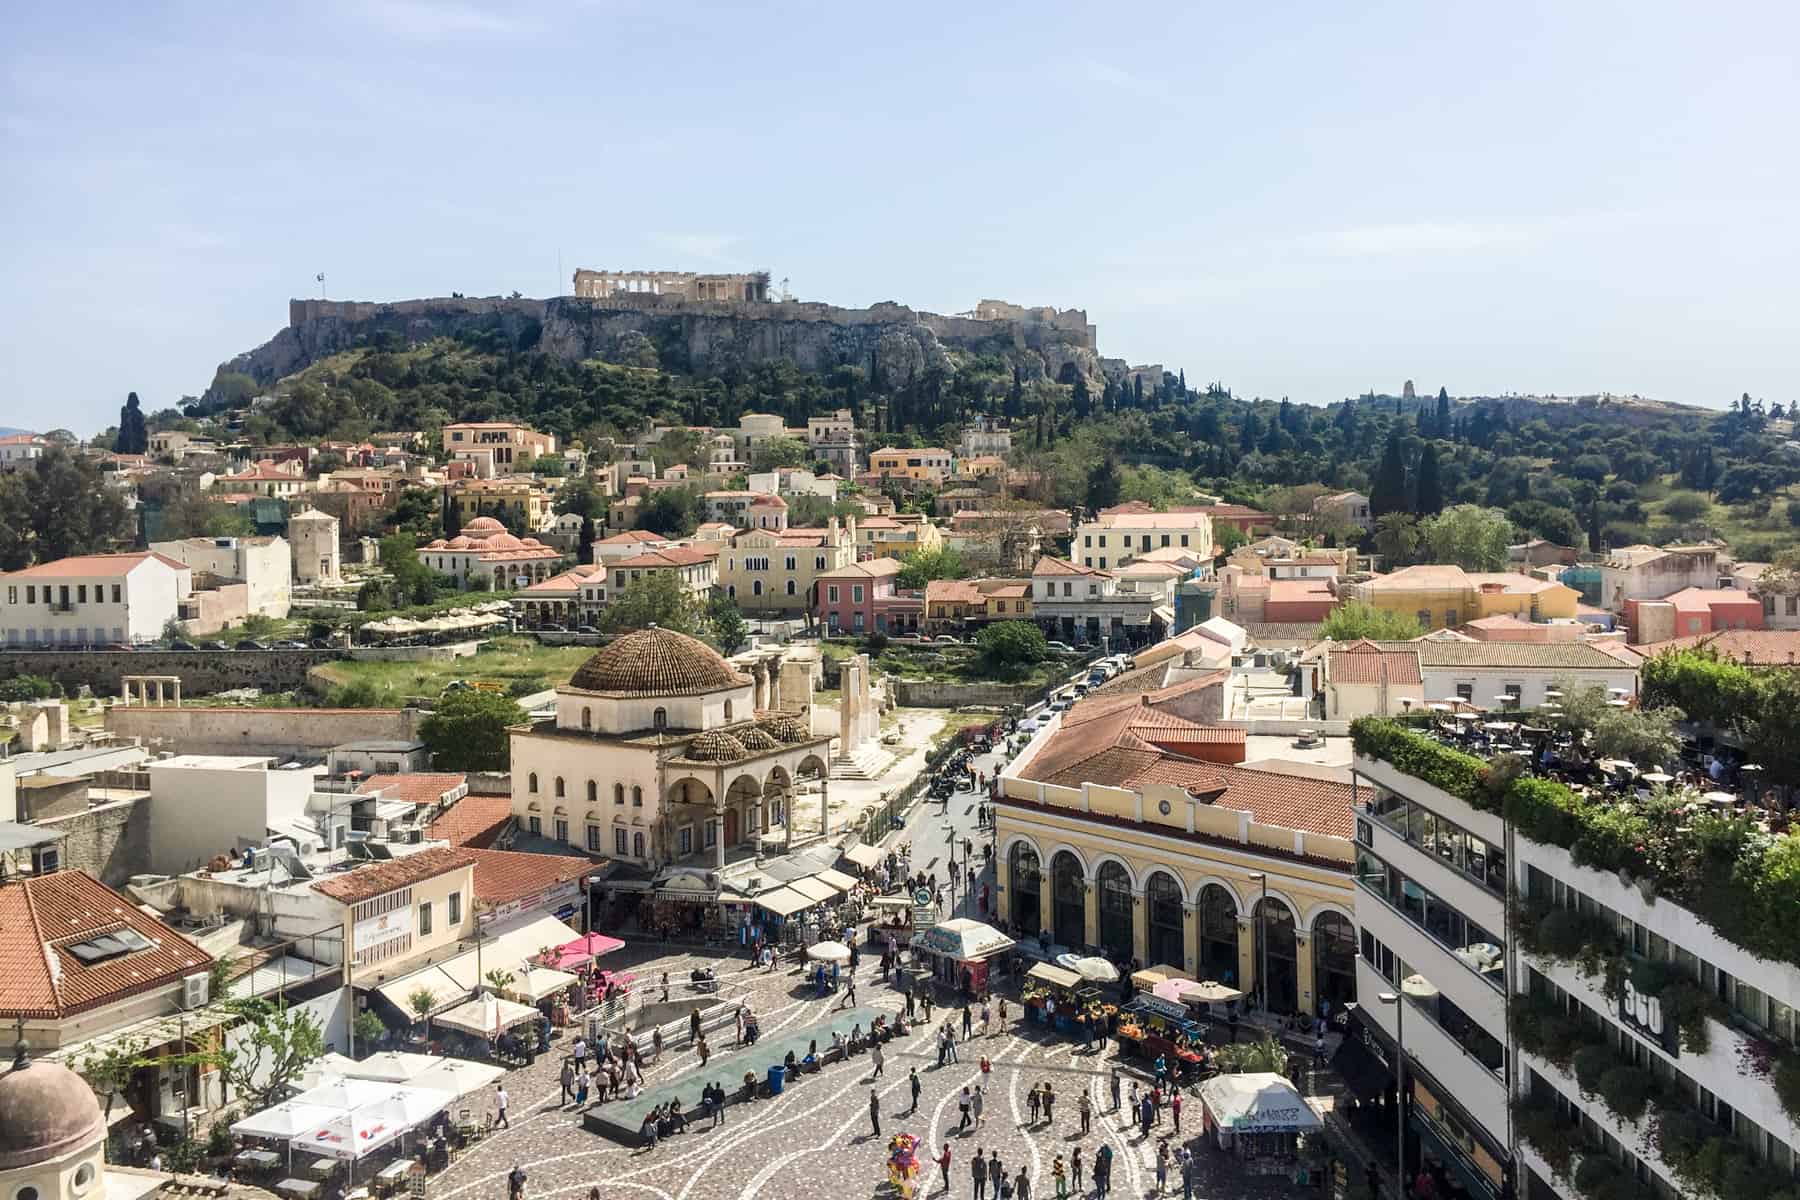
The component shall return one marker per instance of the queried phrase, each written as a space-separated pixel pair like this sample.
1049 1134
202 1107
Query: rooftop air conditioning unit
193 991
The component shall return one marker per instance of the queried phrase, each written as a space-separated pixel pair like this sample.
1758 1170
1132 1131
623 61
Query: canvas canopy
288 1119
540 982
1054 975
962 939
784 901
865 856
1257 1102
487 1016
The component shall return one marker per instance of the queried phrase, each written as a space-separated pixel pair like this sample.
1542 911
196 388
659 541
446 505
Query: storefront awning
784 901
1054 975
865 856
815 890
836 879
446 991
1365 1075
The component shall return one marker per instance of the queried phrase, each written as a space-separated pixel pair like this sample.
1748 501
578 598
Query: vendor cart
1054 995
1259 1119
1151 1028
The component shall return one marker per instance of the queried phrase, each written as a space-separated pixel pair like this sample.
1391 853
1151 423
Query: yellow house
931 464
1106 841
501 497
897 535
982 466
1443 597
397 912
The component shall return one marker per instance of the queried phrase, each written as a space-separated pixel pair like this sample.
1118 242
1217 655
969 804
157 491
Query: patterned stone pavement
814 1140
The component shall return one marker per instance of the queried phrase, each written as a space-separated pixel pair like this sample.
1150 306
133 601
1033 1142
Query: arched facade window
728 710
1275 933
1218 935
1068 900
659 719
637 845
1024 883
618 793
1115 911
1334 959
587 717
637 797
1162 902
593 792
559 787
531 783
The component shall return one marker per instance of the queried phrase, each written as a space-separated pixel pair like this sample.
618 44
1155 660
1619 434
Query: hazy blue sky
1309 199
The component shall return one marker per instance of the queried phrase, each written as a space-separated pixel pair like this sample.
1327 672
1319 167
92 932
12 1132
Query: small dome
715 746
756 741
786 729
656 662
483 526
46 1112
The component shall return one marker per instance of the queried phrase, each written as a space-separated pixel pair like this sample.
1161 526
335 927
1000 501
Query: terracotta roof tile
88 566
1367 662
502 876
376 879
42 916
416 786
473 821
1758 647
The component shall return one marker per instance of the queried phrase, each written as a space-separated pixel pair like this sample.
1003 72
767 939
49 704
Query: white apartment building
1115 538
21 450
986 436
832 438
92 599
206 804
265 565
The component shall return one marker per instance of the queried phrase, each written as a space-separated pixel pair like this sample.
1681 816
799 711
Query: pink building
863 597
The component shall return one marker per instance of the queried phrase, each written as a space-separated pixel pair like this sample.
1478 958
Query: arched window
790 587
1163 919
1068 908
659 719
1334 958
637 797
531 783
618 793
728 710
1275 942
1024 886
559 786
587 717
1218 934
1115 911
637 845
593 791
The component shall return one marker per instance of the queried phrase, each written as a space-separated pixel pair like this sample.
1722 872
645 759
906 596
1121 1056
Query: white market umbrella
486 1016
354 1134
416 1105
1657 777
1096 969
1210 991
347 1095
288 1119
833 952
392 1066
459 1076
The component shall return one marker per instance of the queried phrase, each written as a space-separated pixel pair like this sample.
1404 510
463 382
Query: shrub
1626 1091
1589 1063
1449 770
1553 1138
28 687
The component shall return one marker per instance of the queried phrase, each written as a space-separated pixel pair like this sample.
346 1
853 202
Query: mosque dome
46 1112
656 662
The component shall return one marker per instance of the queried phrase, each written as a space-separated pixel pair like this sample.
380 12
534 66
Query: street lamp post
1262 940
1393 998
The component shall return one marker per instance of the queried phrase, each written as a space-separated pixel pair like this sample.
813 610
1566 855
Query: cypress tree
1387 492
134 436
1431 483
1444 429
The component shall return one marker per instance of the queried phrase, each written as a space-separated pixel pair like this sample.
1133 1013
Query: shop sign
379 931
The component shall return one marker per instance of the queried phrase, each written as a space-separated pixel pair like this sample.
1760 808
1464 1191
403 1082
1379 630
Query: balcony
1473 900
1478 993
1480 1090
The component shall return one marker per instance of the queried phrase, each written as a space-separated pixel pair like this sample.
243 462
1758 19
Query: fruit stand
1048 986
1150 1027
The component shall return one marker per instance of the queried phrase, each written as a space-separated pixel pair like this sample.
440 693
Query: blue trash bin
777 1077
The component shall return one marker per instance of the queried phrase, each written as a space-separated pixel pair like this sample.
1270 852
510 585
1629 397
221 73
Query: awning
540 982
836 879
459 1076
891 902
487 1016
1257 1102
446 991
286 1120
866 855
142 1037
1054 975
815 890
784 901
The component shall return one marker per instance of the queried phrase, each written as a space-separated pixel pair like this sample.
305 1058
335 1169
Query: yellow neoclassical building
1109 841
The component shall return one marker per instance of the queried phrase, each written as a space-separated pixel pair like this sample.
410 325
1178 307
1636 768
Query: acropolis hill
693 334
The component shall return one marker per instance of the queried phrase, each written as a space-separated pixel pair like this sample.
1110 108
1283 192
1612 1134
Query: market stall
486 1016
1146 978
960 953
1205 1000
1152 1027
1259 1119
1054 994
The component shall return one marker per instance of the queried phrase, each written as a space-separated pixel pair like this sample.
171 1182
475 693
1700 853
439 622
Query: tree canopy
1470 536
1007 647
922 566
466 731
657 599
1356 619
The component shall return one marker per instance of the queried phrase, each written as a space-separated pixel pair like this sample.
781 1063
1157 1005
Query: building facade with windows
931 464
697 573
778 572
496 447
1116 537
93 599
864 597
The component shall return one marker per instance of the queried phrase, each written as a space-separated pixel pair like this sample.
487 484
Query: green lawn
505 660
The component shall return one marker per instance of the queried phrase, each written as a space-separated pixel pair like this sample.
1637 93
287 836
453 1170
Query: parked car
290 645
586 629
946 639
253 644
182 644
214 645
1060 647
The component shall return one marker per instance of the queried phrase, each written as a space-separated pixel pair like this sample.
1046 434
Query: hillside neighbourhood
441 718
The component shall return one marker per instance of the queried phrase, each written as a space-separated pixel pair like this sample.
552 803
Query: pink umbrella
1172 989
588 946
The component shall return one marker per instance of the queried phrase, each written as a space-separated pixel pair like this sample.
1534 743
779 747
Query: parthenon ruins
598 285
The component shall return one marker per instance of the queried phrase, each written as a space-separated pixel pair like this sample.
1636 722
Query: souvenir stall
960 953
1260 1120
683 902
1151 1027
1054 994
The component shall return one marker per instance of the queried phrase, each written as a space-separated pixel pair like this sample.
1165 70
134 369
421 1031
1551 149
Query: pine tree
134 436
1444 429
1431 483
1137 390
1387 492
1248 433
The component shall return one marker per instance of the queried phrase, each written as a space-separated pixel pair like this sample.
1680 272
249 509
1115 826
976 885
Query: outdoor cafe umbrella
1096 969
1657 777
835 952
391 1066
355 1133
486 1016
1209 991
582 949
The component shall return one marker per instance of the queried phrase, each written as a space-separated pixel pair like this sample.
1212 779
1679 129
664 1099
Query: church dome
483 526
715 746
656 662
756 741
786 729
46 1112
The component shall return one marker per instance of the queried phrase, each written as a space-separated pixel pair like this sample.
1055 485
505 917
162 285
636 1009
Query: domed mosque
485 556
671 762
52 1133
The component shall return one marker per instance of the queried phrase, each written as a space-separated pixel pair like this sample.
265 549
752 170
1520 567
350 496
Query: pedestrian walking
500 1101
876 1057
1049 1103
1190 1170
1318 1051
1146 1114
1032 1102
580 1050
943 1163
739 1014
1162 1167
978 1174
1086 1106
705 1050
978 1103
968 1021
1059 1174
926 1001
849 1000
568 1081
1002 1014
515 1183
1102 1170
1005 1190
694 1025
1075 1169
874 1113
987 1013
912 1081
656 1044
1114 1085
1156 1104
962 1103
1022 1185
665 987
1175 1110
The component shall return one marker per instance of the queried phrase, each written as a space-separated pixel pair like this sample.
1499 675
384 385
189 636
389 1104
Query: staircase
865 762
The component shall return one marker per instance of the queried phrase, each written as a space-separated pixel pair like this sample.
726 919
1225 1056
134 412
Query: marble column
847 727
1246 958
1002 892
1046 905
1303 964
718 826
824 806
177 684
1090 921
1140 928
1190 939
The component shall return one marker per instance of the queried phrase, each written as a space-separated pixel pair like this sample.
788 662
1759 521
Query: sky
1304 200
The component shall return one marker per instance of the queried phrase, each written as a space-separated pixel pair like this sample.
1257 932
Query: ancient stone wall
201 671
280 732
109 841
926 693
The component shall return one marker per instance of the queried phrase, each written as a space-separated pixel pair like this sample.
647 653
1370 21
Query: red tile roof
88 566
674 556
1757 647
418 787
41 916
377 879
502 876
1365 662
473 821
1051 565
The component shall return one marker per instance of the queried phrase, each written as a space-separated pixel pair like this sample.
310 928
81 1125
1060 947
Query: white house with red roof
21 450
484 555
93 599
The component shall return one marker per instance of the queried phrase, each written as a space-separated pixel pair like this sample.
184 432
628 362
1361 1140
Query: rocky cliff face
697 338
